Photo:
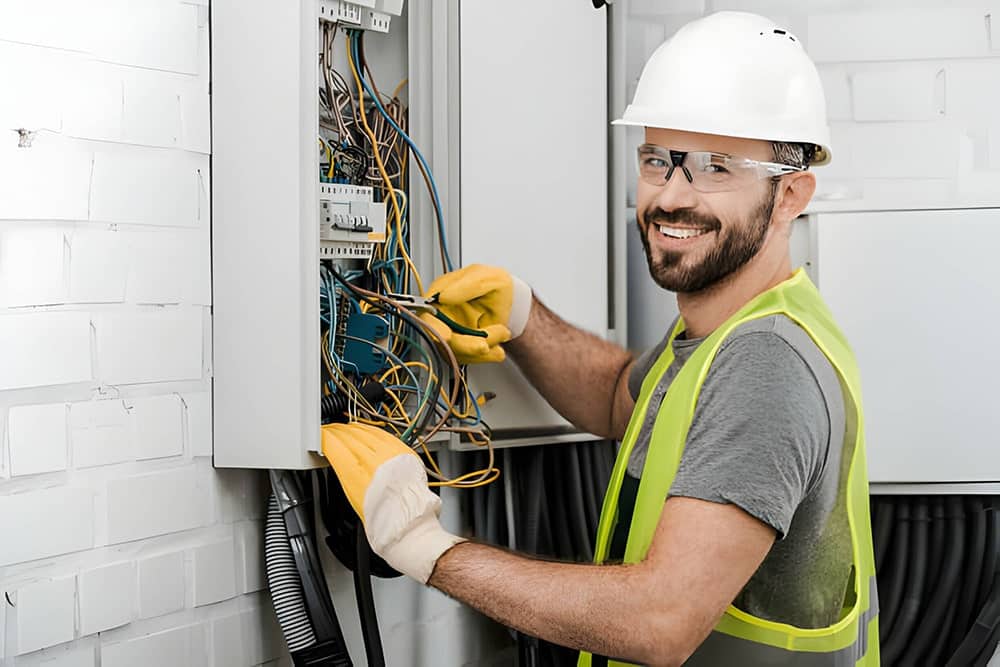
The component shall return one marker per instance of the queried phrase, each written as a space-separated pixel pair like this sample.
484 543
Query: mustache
657 216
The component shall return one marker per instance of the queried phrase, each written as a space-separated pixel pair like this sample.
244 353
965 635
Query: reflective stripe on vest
740 638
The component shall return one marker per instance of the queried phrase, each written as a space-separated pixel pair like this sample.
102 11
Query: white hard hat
733 74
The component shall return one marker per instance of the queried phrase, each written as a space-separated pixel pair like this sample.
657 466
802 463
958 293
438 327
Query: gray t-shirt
767 436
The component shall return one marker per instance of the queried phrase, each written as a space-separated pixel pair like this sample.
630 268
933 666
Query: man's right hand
480 297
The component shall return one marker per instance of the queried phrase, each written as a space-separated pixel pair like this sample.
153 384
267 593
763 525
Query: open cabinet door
534 170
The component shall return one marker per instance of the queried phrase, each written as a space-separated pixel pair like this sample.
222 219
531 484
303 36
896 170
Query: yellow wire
329 157
390 191
399 404
399 87
414 364
459 482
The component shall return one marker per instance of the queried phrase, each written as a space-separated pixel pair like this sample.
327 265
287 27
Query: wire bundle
937 561
422 391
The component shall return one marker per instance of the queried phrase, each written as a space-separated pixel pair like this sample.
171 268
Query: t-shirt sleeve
760 432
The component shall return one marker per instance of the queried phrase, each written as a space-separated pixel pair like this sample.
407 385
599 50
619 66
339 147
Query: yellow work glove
480 297
386 484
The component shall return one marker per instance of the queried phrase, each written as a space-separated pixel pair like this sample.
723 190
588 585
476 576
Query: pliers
428 304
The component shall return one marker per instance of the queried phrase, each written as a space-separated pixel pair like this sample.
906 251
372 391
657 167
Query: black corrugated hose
295 577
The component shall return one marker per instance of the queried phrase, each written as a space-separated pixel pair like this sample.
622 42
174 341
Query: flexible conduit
284 583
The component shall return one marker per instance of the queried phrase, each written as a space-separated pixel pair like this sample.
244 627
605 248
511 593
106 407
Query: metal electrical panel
273 220
917 294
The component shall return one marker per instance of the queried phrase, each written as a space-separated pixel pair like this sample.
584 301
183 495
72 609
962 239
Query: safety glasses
704 170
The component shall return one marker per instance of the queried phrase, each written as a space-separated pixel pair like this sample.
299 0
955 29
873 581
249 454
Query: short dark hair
794 154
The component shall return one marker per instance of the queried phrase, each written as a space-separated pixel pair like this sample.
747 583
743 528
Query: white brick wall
912 91
120 545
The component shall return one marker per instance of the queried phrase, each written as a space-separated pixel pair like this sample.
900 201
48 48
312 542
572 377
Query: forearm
607 610
577 372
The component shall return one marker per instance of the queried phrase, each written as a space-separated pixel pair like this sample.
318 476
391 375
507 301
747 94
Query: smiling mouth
682 232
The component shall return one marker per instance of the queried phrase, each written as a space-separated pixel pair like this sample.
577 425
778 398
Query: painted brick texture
121 544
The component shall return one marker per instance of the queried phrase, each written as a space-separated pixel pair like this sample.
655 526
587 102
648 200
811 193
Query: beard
733 248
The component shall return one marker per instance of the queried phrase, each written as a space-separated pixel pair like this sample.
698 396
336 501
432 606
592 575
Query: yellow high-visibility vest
741 638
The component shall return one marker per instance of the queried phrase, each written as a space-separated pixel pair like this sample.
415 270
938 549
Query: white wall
119 543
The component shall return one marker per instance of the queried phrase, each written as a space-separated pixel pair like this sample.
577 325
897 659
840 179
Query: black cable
589 491
935 613
882 530
480 495
576 501
992 552
938 526
989 649
892 581
909 610
966 611
494 509
366 603
558 501
546 545
531 519
983 630
935 655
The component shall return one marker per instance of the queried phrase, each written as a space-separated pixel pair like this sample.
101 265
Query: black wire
910 606
971 570
935 654
366 602
892 582
936 616
981 638
882 530
577 502
992 552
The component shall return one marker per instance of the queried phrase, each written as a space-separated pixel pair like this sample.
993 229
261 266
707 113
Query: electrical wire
420 431
356 42
390 191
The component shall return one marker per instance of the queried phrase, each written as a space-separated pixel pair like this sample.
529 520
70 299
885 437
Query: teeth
678 233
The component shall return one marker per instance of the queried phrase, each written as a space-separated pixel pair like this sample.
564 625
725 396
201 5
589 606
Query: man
735 530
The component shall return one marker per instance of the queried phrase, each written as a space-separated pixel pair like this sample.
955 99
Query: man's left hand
386 484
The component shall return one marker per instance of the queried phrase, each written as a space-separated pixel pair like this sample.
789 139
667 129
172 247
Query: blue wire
413 147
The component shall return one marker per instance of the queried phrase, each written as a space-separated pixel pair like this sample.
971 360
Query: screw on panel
25 137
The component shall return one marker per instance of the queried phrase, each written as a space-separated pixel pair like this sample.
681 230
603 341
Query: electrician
736 529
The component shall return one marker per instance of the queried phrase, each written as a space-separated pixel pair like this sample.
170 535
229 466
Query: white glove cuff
520 309
418 551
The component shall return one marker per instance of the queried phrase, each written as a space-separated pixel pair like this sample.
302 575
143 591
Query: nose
677 192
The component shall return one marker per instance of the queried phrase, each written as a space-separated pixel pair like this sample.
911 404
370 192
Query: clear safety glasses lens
706 171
